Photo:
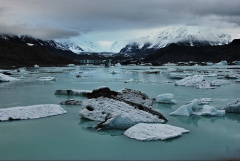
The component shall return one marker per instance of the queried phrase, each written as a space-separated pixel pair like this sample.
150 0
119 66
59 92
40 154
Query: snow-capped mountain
188 36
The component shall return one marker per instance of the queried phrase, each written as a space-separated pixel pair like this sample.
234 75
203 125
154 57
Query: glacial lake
68 137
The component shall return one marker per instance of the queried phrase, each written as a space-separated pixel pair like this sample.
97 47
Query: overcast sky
111 20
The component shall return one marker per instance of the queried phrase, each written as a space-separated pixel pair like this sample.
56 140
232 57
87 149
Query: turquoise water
69 137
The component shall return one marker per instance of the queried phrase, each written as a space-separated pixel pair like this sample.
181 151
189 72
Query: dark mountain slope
179 53
20 54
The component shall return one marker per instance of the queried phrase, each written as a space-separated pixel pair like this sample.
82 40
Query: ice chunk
36 66
204 85
21 69
194 108
98 109
204 101
148 132
166 98
179 75
233 106
118 65
219 82
222 63
190 81
73 92
134 96
30 112
232 76
46 78
6 78
116 122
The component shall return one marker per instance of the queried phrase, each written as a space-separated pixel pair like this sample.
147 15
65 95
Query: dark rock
102 92
7 73
71 102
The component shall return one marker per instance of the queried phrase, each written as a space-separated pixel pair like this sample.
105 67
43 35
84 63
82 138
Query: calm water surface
69 137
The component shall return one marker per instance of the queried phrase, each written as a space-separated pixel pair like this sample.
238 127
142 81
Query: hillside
20 54
180 53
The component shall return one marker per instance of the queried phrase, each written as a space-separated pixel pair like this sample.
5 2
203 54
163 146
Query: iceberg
30 112
148 132
204 85
196 81
166 98
193 108
190 81
72 92
233 106
98 109
6 78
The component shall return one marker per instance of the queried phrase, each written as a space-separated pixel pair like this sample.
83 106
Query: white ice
194 108
219 82
233 106
148 132
166 98
30 112
190 81
46 78
99 108
6 78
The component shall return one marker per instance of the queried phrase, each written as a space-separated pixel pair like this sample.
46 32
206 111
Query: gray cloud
65 17
45 33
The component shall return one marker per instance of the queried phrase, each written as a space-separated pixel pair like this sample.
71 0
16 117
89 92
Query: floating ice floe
197 81
166 98
98 109
233 106
222 63
193 108
36 66
232 76
148 132
204 101
71 65
46 78
30 112
6 78
179 75
219 82
118 65
190 81
21 69
73 92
